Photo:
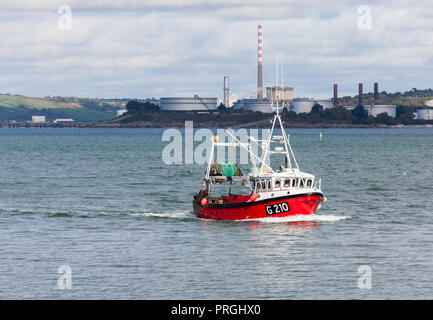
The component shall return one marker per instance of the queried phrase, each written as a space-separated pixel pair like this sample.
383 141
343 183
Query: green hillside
22 108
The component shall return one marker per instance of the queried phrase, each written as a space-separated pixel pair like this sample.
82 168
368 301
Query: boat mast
289 154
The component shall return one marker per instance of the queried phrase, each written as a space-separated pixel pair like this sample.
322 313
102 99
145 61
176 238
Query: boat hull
290 205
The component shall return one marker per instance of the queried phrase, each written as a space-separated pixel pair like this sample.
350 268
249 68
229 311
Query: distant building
350 108
279 93
38 119
69 120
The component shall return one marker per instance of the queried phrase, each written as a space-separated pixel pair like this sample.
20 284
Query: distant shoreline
210 124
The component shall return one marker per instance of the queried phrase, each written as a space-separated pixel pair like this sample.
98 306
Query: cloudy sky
154 48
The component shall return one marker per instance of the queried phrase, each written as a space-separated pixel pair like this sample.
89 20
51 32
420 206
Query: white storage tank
326 104
424 114
374 110
428 103
303 105
254 105
188 104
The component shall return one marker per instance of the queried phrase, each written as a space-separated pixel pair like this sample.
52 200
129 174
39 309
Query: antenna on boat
274 96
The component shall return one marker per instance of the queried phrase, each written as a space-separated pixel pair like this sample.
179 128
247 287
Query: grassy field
22 108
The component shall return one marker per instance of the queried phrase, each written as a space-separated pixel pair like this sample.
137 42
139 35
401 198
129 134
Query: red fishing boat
270 193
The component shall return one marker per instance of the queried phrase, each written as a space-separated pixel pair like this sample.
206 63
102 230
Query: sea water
97 214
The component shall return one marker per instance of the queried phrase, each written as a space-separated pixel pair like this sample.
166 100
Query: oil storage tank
195 103
424 114
325 103
303 105
253 105
428 103
374 110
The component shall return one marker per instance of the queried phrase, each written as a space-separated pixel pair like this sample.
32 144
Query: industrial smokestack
226 91
335 94
376 91
360 94
259 67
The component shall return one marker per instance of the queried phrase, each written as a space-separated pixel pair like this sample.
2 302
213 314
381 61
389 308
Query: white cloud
152 48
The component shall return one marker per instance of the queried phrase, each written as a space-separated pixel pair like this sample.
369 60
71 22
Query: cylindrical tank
374 110
325 103
188 104
428 103
424 114
254 105
303 105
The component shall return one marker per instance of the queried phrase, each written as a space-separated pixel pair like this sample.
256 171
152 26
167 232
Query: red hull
290 205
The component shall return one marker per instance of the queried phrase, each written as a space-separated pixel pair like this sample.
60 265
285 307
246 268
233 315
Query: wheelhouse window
301 184
309 182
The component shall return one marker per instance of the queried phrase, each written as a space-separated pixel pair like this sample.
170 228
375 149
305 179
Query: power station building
195 103
279 94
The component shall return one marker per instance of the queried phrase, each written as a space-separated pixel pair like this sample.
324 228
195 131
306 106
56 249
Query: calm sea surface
103 202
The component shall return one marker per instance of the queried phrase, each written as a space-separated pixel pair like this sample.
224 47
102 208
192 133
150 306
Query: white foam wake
176 214
296 218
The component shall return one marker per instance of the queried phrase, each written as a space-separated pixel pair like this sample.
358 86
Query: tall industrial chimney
360 94
376 91
226 91
335 94
259 67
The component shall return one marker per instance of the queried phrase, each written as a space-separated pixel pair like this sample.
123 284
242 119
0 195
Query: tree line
318 115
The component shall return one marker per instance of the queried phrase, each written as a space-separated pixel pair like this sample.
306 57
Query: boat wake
96 212
175 215
297 218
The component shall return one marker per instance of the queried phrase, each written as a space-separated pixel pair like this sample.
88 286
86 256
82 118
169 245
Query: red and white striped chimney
259 67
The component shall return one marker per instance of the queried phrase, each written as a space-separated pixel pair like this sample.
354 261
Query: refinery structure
373 109
282 94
